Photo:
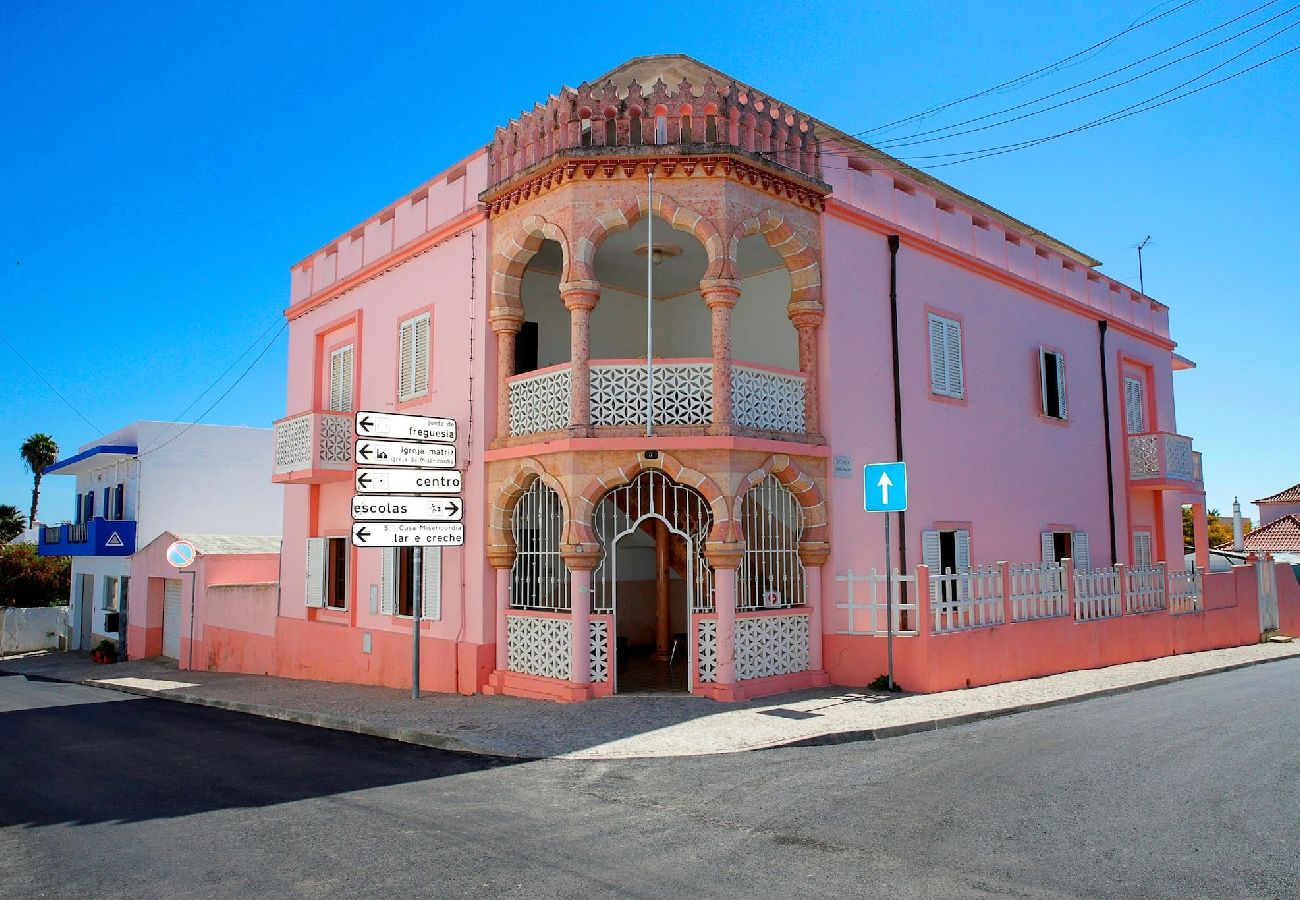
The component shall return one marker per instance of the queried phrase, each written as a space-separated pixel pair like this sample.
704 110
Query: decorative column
506 324
806 316
580 299
720 295
725 559
813 555
502 559
580 560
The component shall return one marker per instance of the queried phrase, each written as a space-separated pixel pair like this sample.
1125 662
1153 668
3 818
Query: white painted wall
38 628
100 567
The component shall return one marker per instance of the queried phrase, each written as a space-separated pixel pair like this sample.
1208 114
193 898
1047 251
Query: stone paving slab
623 727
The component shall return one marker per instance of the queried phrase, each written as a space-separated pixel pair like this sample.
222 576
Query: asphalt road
1186 790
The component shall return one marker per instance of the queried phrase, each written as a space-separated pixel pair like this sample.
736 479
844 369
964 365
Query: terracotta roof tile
1290 495
1280 536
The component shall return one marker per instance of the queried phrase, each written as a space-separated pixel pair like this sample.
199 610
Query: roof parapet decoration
707 119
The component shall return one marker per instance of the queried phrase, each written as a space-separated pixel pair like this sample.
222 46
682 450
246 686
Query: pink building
816 305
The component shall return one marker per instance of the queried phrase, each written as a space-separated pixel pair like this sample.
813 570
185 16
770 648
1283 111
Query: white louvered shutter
406 361
420 354
1049 546
1042 378
341 379
387 581
1142 549
961 542
1134 412
431 575
938 364
1079 549
315 572
952 340
932 556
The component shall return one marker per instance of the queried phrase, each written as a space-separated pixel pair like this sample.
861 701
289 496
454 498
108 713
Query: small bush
881 683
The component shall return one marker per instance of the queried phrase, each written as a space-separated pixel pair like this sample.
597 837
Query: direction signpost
884 488
402 460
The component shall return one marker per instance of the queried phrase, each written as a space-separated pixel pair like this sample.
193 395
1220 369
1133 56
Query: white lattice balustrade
706 649
293 444
683 393
540 403
772 401
539 645
771 645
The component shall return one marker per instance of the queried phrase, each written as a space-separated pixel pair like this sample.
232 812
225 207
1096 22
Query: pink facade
1037 421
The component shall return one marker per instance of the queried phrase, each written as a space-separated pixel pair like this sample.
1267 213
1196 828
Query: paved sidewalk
627 726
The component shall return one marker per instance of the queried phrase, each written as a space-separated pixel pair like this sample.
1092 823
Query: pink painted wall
1271 512
1288 599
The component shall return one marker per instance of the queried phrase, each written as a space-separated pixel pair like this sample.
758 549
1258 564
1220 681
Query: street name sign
405 453
405 428
885 487
413 509
408 534
407 481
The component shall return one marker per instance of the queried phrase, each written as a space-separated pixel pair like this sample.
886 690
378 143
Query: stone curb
442 741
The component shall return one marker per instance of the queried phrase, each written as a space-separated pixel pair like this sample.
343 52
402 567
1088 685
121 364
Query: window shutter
1048 540
932 556
952 332
1079 549
315 572
962 542
90 505
938 364
1042 378
1134 412
1060 385
405 352
387 581
1142 549
341 379
431 575
420 378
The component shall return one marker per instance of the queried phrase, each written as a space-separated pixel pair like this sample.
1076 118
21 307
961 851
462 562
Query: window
119 502
413 356
397 582
711 129
585 137
108 503
88 507
686 130
111 597
945 552
341 379
771 573
945 357
1059 545
327 572
526 348
1051 374
1135 414
1141 549
634 122
611 131
661 129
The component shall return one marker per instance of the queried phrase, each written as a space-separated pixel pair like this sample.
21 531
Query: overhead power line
46 382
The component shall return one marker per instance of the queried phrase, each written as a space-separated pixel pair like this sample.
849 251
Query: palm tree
39 453
11 522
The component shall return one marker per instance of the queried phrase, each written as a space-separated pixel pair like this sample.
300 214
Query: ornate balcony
1159 461
765 400
313 448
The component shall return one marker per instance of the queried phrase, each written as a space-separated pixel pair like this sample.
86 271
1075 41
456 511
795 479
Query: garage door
172 618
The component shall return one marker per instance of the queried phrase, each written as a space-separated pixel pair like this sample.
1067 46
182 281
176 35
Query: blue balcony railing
98 537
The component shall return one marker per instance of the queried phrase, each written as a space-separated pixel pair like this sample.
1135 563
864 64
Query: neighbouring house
142 480
1279 505
694 521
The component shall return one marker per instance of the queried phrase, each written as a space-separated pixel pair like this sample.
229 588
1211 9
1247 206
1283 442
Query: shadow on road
85 758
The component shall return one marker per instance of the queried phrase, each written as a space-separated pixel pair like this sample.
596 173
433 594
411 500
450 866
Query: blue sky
162 166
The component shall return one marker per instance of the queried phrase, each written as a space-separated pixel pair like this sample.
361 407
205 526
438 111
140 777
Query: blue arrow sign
885 487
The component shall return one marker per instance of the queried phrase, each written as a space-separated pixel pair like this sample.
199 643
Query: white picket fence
1186 591
868 615
1038 591
1096 594
1145 589
967 599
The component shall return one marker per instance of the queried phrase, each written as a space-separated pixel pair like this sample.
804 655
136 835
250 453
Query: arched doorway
652 580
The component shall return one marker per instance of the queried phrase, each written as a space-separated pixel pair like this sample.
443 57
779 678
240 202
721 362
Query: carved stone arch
584 506
680 217
511 257
801 486
501 538
800 259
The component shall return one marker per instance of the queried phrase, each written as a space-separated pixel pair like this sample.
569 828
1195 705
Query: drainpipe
1110 454
894 242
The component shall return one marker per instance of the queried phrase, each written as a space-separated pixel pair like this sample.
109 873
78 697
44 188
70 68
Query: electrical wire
1030 76
46 382
908 140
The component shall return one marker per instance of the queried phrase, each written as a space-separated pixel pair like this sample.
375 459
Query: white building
140 481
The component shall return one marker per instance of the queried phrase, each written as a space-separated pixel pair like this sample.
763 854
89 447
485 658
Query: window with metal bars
771 574
538 579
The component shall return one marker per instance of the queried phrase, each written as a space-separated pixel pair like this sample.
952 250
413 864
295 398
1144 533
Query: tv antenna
1142 285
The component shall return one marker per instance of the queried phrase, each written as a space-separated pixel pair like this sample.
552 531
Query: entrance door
652 580
172 618
86 602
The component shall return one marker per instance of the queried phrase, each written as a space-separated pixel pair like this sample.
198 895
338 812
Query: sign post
181 554
885 490
406 470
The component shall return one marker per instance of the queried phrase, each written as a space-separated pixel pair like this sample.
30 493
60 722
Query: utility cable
46 382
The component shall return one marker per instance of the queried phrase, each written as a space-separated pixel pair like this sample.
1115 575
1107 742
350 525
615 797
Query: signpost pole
889 605
417 594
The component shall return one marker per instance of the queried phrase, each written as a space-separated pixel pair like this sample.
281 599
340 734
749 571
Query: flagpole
649 304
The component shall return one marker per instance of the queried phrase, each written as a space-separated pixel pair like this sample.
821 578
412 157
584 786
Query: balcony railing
313 447
762 399
1159 460
98 537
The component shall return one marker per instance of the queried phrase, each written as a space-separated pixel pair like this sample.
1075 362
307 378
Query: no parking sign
181 553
